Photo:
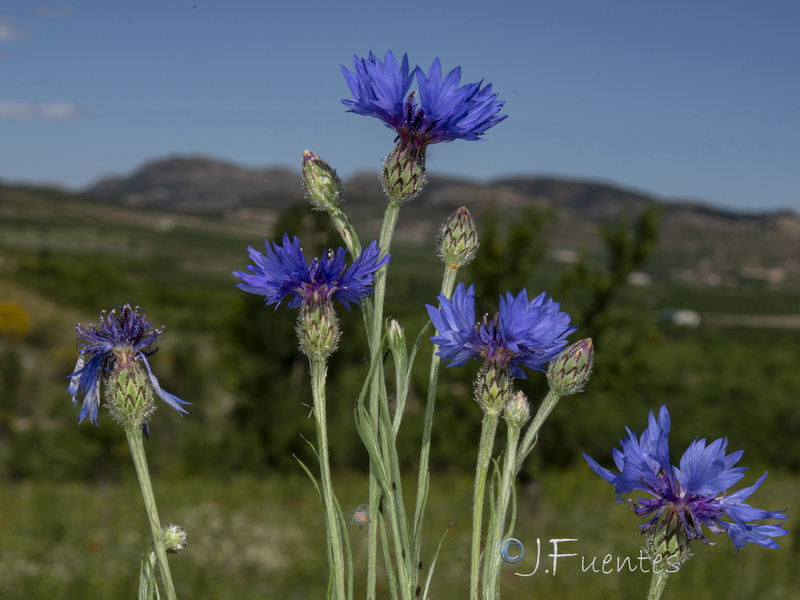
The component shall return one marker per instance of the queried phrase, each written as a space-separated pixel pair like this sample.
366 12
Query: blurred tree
508 254
626 249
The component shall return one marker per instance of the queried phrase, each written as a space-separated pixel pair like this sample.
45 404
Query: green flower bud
403 174
493 388
397 337
318 330
129 397
321 184
517 411
457 243
175 538
570 371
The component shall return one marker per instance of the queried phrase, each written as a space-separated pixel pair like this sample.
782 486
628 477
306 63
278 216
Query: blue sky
681 99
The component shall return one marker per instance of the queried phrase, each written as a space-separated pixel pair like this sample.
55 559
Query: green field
251 538
71 520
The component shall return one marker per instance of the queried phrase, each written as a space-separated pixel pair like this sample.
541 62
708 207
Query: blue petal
455 325
356 282
704 470
379 89
170 399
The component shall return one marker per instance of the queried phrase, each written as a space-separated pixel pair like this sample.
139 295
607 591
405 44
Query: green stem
492 559
337 566
374 316
346 231
529 441
488 431
423 480
392 499
657 584
136 445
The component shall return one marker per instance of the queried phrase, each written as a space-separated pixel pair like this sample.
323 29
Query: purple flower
695 492
446 110
284 272
120 338
523 333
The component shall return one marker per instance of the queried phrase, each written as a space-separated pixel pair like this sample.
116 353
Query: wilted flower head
693 494
446 110
120 339
525 332
284 272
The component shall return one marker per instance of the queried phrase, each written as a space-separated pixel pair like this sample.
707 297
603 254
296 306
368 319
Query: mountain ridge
715 245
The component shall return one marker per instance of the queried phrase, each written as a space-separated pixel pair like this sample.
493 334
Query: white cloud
9 33
15 110
52 111
59 111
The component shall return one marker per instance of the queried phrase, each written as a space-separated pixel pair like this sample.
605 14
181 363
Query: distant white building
639 278
682 317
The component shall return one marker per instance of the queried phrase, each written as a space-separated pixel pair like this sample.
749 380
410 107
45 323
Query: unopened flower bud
517 411
458 239
129 397
396 335
175 538
570 371
322 185
403 174
318 330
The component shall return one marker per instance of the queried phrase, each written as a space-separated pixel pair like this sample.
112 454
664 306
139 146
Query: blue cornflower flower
693 493
449 112
446 111
284 272
379 89
525 332
120 339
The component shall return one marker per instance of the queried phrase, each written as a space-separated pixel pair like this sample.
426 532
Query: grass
264 539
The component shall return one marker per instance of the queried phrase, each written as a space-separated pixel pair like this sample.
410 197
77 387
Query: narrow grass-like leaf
309 473
387 557
433 563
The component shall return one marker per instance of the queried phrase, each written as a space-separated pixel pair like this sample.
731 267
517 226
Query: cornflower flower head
524 333
119 341
689 496
446 110
283 272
